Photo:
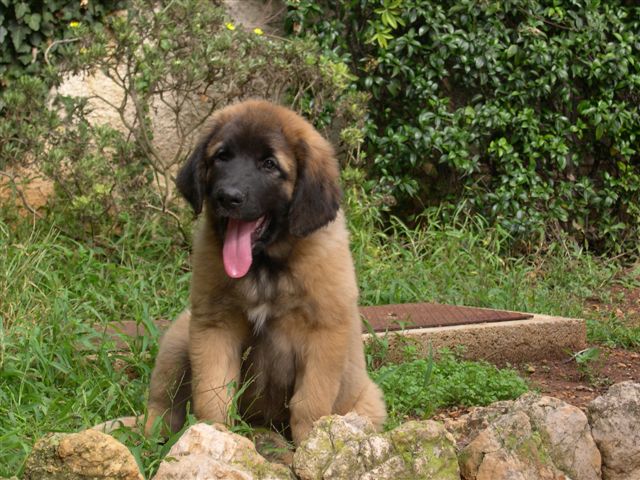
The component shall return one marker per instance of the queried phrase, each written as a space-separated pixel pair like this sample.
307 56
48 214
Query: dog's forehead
253 136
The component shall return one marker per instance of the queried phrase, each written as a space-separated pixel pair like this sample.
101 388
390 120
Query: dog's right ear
191 177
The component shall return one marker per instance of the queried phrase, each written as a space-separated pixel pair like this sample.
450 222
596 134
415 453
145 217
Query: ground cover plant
418 388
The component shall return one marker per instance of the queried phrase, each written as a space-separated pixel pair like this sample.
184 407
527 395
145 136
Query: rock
347 447
614 419
268 16
211 451
27 187
85 455
534 438
465 427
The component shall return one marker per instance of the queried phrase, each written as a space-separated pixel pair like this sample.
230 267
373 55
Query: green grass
58 373
613 333
460 260
467 263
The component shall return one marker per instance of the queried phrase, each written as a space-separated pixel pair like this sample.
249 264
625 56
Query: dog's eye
222 154
269 163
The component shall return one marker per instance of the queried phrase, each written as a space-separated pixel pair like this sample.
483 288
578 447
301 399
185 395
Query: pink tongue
236 252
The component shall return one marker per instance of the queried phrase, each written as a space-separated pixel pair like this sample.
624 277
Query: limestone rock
615 425
535 438
80 456
347 447
211 451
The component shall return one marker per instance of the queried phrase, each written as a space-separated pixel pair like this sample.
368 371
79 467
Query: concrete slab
529 338
514 341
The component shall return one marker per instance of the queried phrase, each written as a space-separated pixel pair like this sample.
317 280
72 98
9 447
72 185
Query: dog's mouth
239 239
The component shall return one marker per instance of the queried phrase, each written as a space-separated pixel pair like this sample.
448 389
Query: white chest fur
258 316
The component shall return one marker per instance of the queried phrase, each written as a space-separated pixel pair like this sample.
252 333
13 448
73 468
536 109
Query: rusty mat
424 315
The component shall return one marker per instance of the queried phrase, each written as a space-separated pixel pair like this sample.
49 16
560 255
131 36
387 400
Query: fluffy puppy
274 311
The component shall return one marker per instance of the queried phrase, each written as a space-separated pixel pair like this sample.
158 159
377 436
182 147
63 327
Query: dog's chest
259 314
266 296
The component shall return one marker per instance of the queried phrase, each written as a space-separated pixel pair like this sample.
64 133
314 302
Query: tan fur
308 360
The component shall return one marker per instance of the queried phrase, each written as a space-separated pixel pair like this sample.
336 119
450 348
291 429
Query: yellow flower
258 31
74 24
230 26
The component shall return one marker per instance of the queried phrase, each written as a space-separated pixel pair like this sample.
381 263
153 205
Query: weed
613 333
588 361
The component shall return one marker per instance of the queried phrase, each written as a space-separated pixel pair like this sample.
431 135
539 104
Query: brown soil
578 385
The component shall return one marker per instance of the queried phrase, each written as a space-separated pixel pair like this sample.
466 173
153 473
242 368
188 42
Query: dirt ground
579 384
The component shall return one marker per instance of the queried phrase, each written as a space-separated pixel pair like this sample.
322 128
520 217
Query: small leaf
33 21
599 131
17 36
512 50
21 9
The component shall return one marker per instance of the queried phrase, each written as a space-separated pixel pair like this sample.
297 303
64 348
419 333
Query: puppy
274 300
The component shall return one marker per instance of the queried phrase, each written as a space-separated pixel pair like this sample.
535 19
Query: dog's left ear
190 181
317 194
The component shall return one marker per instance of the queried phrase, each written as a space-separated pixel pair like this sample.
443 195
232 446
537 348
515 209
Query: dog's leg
323 357
215 353
370 404
170 387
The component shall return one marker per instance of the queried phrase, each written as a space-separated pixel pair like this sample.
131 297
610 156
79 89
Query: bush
99 176
529 108
187 58
27 29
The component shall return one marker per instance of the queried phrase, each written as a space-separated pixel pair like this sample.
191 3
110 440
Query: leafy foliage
419 387
184 60
99 175
27 29
528 108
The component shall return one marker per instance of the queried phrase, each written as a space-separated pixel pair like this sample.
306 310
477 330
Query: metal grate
425 315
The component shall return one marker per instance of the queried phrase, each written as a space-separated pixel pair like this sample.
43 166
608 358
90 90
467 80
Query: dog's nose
229 197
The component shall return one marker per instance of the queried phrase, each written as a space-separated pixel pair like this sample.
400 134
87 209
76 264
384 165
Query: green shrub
27 29
99 176
529 108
